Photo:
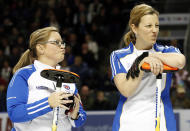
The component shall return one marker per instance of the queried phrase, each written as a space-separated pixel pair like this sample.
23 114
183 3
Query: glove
69 105
74 114
134 70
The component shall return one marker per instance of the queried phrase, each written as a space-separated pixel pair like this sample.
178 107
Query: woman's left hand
74 114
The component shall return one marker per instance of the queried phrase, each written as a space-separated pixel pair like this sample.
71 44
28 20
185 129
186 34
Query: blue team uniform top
27 101
137 112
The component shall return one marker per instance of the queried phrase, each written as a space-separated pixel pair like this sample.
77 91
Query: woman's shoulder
165 48
22 73
123 51
27 70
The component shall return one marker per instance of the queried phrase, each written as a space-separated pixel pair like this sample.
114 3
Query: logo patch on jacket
66 87
42 87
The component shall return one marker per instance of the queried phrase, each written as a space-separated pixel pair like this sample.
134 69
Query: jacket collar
41 66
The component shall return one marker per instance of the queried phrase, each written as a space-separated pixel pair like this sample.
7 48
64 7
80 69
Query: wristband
76 118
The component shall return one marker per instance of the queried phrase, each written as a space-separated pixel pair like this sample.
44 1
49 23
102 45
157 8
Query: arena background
92 29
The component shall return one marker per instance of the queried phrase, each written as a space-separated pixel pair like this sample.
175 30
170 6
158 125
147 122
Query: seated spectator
86 97
80 68
6 71
177 44
69 55
94 8
3 95
106 84
20 44
92 45
179 101
64 65
101 103
6 46
87 56
182 78
2 57
15 55
74 43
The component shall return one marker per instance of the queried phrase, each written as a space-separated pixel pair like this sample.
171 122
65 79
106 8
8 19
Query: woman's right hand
156 64
58 99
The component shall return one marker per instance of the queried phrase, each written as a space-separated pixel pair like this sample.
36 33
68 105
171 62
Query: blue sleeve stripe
11 98
116 65
25 112
112 64
37 105
30 113
177 50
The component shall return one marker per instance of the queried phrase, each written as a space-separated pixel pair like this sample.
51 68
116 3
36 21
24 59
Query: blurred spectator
69 57
6 46
101 103
106 84
80 68
36 20
65 32
6 71
74 43
97 34
181 78
51 19
37 15
180 89
81 12
1 30
94 8
108 4
101 20
173 43
88 56
92 46
177 44
86 97
20 44
68 18
14 35
15 55
8 24
180 101
2 57
64 65
115 23
81 28
3 94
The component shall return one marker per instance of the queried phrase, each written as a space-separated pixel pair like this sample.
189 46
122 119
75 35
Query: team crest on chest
66 87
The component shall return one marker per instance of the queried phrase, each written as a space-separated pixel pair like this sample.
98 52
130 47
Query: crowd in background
91 29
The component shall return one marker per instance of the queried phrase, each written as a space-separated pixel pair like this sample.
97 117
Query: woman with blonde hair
136 107
31 98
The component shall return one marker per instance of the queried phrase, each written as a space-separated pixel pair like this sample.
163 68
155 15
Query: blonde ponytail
25 59
129 37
